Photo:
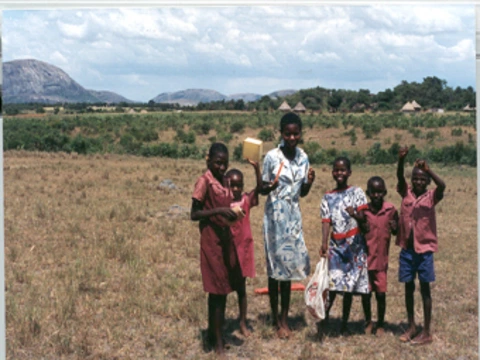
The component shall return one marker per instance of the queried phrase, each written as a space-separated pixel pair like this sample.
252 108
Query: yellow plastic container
252 149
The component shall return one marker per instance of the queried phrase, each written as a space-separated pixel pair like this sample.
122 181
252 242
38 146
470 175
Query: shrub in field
184 137
416 132
237 152
431 135
237 127
202 128
266 135
84 145
457 132
353 136
225 137
371 128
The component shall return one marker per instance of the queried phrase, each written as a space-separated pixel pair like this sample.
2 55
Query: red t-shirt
418 214
378 238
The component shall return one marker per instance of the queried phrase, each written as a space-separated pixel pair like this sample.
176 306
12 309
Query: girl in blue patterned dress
342 210
286 170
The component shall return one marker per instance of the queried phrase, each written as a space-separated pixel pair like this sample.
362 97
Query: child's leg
242 306
426 274
381 307
425 337
216 316
367 310
409 304
285 291
273 296
331 298
347 305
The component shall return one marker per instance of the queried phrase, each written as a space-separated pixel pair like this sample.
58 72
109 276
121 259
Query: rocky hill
32 80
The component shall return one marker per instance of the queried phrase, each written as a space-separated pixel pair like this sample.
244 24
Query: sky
140 53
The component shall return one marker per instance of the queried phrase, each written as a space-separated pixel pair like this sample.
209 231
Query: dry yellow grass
97 267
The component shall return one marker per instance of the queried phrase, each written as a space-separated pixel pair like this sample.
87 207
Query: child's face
218 164
291 135
341 172
420 181
236 184
376 192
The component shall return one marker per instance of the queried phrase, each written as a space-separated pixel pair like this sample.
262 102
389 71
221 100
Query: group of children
355 235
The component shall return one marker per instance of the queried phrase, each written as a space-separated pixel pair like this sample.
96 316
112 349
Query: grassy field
100 264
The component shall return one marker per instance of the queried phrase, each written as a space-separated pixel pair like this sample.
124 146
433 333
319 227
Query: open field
99 265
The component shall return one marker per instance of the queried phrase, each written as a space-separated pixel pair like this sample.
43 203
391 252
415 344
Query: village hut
468 108
285 107
408 108
143 111
131 111
300 108
416 106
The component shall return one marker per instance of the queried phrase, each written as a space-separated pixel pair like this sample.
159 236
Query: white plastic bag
316 293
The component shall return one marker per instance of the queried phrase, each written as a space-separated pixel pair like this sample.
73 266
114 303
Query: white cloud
265 46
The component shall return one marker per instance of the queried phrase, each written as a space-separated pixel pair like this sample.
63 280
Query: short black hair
216 148
234 172
344 159
290 118
375 179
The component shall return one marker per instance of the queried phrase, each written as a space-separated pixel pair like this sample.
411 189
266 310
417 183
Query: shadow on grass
295 323
229 338
332 329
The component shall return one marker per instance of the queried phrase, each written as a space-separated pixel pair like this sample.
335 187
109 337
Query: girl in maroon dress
242 236
211 207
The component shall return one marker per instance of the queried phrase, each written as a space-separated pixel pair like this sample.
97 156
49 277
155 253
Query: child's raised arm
401 183
258 176
422 165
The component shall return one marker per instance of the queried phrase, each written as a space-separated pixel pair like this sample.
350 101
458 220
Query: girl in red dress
242 235
211 201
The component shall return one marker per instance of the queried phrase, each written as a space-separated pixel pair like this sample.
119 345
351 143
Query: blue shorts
411 263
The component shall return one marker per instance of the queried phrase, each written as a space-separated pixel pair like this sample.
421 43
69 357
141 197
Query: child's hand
421 164
228 213
273 185
402 152
310 176
253 163
350 210
323 250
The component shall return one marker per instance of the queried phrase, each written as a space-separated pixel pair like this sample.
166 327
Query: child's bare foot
422 339
380 331
409 334
244 330
283 333
369 328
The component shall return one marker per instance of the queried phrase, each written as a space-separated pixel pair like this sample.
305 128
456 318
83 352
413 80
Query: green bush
457 132
237 127
266 135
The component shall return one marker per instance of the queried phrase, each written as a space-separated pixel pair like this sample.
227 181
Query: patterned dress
286 253
347 248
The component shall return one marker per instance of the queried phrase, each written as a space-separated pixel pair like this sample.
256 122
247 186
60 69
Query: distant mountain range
30 80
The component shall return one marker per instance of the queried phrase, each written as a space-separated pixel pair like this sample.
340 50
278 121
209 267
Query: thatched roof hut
416 106
300 108
285 107
468 108
408 108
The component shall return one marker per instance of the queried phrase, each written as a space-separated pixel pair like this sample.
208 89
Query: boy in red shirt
382 218
417 236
